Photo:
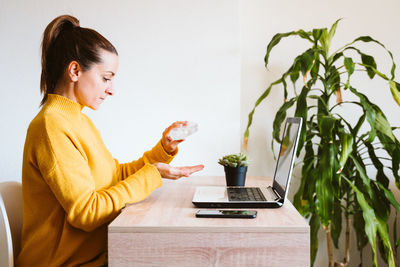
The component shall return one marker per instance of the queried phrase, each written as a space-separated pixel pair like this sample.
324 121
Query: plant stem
329 244
347 259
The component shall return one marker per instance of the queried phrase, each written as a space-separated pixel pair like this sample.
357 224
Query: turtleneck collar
63 104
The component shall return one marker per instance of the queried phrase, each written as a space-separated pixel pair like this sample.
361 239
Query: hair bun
68 23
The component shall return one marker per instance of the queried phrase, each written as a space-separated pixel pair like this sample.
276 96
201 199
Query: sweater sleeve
65 169
156 154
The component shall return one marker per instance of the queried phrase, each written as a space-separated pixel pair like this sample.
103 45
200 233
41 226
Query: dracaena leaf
336 224
324 185
306 60
285 93
370 112
324 40
395 90
360 122
280 117
349 64
364 39
371 224
363 175
314 227
301 194
374 70
347 148
326 125
359 226
277 38
369 61
316 34
306 189
369 39
332 30
333 78
380 175
327 36
315 67
301 111
384 235
390 197
382 125
295 71
309 188
395 165
379 202
259 100
335 57
323 108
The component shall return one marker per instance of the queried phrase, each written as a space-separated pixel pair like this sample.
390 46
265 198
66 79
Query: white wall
260 20
179 60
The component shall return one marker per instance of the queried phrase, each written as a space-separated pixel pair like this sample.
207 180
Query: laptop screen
287 154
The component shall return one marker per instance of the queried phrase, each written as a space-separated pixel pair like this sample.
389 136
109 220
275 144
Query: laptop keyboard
245 194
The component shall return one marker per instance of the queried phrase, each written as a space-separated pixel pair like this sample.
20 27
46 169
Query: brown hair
65 41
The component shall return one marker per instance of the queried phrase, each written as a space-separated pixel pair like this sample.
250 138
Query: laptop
257 197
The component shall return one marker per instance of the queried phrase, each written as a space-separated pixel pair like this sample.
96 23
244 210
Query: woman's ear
74 71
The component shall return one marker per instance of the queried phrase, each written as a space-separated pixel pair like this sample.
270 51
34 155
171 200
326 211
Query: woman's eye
106 79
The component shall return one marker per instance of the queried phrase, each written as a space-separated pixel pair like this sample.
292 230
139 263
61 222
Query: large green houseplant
335 184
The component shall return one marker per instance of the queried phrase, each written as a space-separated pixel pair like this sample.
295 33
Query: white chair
10 222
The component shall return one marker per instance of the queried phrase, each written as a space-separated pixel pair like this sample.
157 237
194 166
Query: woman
72 187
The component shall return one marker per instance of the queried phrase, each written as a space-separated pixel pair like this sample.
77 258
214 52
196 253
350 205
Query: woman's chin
94 107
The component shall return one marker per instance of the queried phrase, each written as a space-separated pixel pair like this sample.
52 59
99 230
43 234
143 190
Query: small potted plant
235 166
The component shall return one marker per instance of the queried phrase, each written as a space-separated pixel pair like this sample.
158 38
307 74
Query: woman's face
94 85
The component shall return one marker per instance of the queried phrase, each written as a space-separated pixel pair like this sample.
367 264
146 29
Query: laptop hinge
277 194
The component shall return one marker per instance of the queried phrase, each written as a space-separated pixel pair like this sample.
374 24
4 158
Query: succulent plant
234 160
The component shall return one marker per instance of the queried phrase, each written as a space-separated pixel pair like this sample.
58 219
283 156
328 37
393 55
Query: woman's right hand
170 172
168 144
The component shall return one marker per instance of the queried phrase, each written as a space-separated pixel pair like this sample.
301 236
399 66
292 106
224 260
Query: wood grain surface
162 230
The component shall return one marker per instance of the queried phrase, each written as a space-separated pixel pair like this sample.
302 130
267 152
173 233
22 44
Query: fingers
192 169
197 168
175 125
170 172
178 172
177 142
179 123
167 171
168 143
188 170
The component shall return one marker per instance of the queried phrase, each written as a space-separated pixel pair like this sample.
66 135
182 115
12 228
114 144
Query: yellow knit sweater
73 187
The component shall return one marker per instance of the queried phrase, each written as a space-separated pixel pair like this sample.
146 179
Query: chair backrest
10 222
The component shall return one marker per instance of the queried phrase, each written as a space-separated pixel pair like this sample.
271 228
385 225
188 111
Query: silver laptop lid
287 155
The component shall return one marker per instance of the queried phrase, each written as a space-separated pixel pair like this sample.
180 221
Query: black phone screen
226 213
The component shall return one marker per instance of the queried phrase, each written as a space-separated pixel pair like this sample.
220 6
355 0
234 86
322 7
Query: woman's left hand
168 144
170 172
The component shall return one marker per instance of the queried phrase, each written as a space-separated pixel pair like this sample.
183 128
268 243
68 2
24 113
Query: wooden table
162 230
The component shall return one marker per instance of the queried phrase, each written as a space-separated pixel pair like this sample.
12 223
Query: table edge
202 229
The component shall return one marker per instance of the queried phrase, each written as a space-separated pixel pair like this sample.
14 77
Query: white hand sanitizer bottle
182 132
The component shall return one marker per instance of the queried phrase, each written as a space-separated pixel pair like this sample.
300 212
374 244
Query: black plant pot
235 176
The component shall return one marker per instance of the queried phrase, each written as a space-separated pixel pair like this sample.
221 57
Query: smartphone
249 214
